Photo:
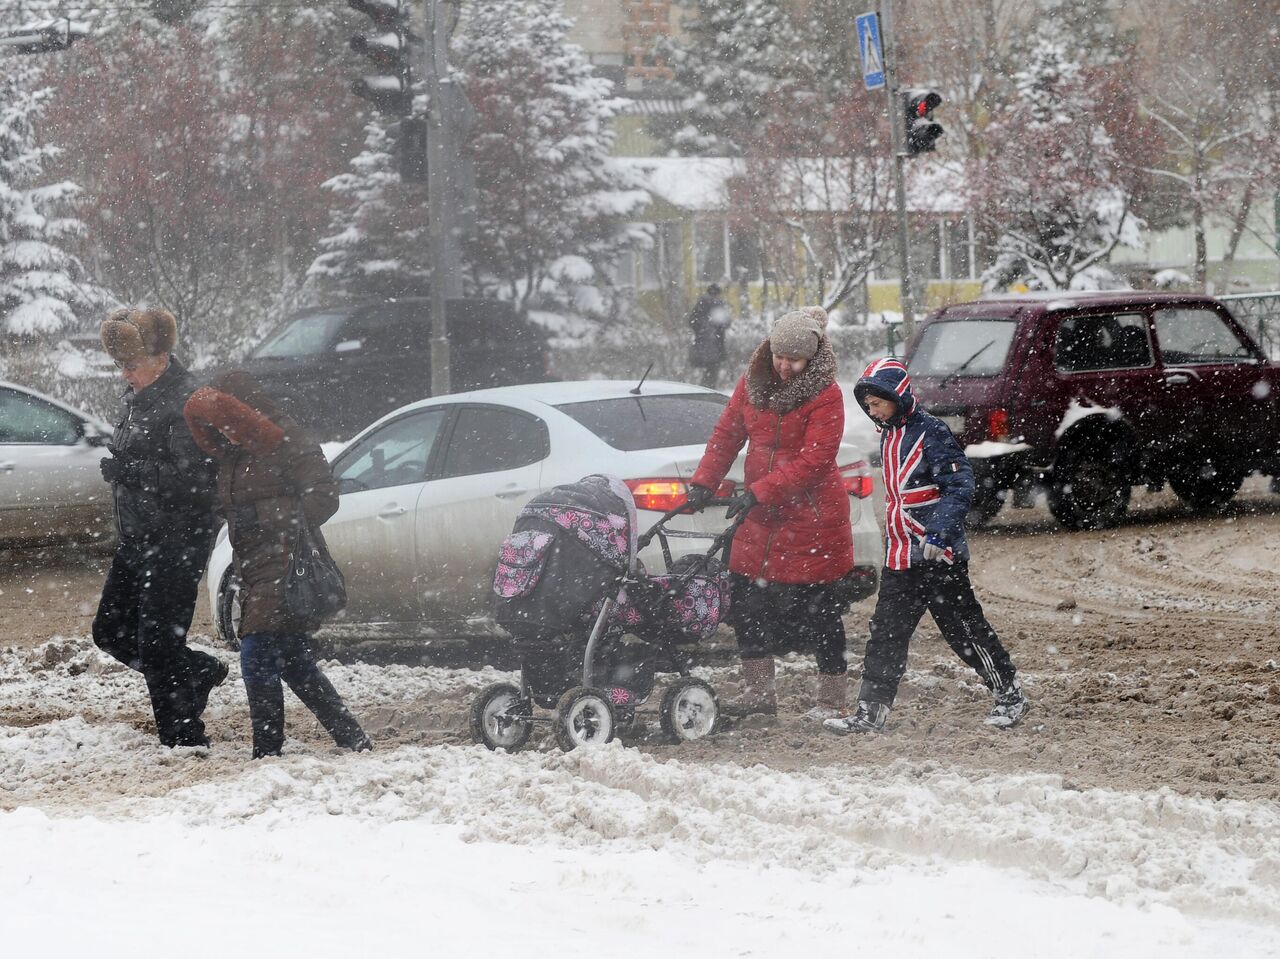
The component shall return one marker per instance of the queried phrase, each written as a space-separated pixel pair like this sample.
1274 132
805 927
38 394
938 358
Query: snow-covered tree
379 242
43 287
1053 184
552 208
733 63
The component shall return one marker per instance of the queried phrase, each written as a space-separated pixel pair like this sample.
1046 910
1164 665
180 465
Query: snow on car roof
550 394
568 391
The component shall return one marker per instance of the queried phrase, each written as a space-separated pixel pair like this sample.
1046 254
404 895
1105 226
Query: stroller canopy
599 510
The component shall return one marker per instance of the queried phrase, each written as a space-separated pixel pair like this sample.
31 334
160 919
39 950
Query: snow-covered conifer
736 59
379 242
42 285
552 207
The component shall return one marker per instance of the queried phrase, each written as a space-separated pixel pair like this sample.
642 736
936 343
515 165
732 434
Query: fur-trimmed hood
233 408
767 391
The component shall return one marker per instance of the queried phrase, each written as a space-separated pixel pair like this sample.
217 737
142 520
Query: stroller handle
719 543
682 510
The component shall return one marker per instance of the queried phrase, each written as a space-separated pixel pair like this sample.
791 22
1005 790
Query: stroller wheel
689 710
584 717
500 718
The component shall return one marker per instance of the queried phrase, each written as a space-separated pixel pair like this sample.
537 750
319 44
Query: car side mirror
94 437
349 346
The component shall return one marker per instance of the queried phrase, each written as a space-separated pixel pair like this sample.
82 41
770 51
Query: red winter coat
800 532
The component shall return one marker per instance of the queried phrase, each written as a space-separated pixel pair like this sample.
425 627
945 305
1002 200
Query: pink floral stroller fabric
572 549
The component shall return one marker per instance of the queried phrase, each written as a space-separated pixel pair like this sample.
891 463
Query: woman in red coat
795 548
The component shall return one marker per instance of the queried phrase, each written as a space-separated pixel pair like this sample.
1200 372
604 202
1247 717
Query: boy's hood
889 379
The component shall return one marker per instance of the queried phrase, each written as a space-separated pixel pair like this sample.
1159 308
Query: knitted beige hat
799 333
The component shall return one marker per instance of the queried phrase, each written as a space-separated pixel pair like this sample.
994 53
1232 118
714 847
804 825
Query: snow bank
336 886
323 853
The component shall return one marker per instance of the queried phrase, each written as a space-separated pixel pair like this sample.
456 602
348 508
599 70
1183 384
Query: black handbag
316 589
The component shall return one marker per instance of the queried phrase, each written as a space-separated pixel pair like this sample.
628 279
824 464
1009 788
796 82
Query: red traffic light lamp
920 131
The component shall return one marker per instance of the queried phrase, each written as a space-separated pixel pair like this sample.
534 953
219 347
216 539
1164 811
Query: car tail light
662 494
998 426
857 479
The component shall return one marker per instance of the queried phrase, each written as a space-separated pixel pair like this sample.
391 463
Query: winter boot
759 690
266 714
1009 707
869 718
206 673
171 705
832 697
318 695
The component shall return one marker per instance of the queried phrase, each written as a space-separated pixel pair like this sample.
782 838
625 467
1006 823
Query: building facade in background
699 238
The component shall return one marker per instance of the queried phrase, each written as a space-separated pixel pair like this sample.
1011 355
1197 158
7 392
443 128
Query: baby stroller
591 628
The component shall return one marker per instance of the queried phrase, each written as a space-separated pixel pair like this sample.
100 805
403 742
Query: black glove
125 470
741 505
698 497
243 517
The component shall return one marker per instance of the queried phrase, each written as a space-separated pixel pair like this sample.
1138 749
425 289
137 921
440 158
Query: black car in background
339 368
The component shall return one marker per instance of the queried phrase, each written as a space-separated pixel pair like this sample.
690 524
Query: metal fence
1260 314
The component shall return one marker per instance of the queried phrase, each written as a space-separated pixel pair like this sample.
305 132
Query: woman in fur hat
271 476
795 547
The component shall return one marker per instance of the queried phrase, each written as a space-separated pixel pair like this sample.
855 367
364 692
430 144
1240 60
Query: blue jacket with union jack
928 482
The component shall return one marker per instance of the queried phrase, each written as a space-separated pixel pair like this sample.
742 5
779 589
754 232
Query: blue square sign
870 50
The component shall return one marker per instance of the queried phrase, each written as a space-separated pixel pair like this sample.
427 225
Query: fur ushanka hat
128 335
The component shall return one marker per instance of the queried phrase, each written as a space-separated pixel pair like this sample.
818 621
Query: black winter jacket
174 496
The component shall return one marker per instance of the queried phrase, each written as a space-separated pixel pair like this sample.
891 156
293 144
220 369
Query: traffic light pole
446 255
899 180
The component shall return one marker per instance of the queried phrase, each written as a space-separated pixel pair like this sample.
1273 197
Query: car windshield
650 422
971 347
304 336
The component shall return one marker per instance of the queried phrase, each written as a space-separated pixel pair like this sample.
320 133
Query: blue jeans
268 658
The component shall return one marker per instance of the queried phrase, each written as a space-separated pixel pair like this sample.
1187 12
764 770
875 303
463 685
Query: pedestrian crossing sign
871 50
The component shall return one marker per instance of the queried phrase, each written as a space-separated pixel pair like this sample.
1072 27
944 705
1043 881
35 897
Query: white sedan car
429 492
50 484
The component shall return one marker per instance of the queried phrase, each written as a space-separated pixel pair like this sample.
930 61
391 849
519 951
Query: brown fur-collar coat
271 478
767 391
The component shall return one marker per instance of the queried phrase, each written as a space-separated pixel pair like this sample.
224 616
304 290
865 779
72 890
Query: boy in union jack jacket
928 486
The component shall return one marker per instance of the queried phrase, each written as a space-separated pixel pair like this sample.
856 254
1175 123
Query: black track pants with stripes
945 591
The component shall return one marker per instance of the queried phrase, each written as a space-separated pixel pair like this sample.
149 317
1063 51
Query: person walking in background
162 489
271 477
709 322
928 485
791 556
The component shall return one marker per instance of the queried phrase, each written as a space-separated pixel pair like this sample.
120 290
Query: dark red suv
1087 395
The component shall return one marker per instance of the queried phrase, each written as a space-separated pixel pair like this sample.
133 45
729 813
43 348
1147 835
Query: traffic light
920 132
390 89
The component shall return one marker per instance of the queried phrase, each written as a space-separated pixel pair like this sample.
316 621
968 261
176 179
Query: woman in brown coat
271 476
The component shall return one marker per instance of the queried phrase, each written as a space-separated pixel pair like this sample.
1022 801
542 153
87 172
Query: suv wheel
1090 489
1204 485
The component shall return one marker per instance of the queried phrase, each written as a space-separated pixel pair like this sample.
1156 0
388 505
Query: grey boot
1009 707
759 695
868 718
832 698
